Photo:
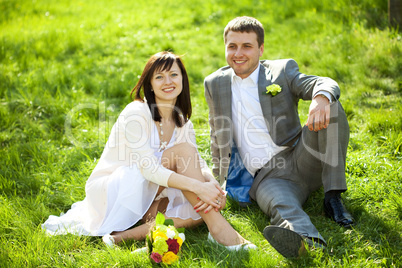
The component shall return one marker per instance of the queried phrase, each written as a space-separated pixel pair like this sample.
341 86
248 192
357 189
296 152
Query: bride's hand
211 196
202 206
217 205
209 177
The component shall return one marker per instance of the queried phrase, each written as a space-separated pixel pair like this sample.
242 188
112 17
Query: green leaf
181 230
169 222
160 219
149 242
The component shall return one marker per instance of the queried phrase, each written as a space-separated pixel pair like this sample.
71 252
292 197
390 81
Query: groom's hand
319 113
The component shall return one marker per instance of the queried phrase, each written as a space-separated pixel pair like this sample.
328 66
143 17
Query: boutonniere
273 89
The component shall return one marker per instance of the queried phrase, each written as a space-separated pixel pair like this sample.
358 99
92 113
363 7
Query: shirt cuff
326 94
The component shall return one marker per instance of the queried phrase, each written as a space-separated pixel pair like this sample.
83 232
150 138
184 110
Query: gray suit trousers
318 159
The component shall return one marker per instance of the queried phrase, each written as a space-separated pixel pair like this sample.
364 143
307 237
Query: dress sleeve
135 125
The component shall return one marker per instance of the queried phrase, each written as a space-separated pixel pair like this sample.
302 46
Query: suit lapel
264 80
225 93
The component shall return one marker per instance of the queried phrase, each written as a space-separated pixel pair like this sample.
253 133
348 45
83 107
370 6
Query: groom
259 146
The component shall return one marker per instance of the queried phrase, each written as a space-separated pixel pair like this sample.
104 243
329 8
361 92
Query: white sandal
140 250
246 246
108 240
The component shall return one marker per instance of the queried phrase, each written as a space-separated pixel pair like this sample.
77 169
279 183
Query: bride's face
167 84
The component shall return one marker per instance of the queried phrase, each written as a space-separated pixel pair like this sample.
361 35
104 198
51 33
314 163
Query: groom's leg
320 156
282 201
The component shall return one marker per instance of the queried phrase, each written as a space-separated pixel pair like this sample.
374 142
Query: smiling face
167 84
242 52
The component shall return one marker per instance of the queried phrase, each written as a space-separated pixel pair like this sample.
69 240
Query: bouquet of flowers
164 241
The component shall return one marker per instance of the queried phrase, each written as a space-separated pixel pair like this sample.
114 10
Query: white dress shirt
251 135
254 143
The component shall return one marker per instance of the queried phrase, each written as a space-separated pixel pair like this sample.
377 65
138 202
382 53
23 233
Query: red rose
173 245
156 257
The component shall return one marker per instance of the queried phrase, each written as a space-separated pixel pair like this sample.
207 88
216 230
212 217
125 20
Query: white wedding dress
129 196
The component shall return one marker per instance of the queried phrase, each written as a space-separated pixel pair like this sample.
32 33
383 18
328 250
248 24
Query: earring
152 89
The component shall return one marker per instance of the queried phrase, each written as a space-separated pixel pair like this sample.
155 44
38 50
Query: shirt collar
253 76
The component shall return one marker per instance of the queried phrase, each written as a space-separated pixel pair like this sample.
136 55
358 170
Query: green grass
77 61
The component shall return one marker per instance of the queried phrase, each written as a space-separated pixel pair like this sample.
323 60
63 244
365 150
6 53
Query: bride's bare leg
140 232
183 158
136 233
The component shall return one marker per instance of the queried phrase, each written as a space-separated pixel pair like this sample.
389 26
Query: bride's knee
184 147
180 150
180 157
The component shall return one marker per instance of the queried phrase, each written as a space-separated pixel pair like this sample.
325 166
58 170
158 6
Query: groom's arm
321 90
308 86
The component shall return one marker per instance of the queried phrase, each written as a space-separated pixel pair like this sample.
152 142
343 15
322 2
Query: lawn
66 71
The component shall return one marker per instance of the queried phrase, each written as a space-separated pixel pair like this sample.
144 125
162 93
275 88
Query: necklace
163 143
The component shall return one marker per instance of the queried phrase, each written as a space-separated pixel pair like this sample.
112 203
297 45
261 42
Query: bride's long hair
160 62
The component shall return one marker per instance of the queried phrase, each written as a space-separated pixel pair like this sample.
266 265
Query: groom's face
242 52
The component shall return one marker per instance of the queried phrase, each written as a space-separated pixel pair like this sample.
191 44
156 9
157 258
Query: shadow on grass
197 251
374 239
203 253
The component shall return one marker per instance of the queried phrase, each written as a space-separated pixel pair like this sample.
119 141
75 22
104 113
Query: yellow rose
169 257
160 228
159 234
179 240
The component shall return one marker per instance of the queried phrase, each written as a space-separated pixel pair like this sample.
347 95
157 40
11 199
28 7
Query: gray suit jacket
280 111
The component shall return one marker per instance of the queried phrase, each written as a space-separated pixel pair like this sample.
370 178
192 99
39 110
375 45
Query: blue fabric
239 180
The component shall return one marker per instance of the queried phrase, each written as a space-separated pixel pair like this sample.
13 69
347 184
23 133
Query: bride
151 163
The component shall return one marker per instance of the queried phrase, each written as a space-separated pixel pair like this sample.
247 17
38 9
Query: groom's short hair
245 24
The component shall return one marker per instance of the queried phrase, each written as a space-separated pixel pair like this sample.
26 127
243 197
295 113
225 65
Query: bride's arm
208 192
136 125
